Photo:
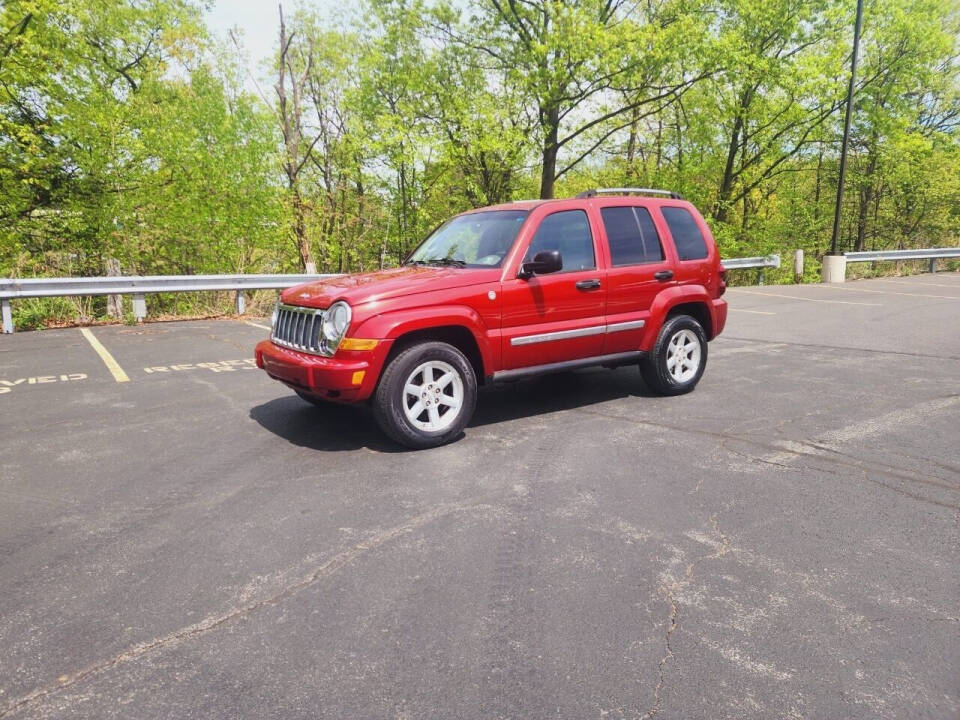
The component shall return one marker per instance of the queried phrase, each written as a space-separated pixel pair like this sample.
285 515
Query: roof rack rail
629 191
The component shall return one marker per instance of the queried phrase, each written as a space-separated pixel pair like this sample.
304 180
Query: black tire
388 399
311 399
653 367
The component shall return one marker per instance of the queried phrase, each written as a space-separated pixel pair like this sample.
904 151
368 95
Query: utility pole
846 127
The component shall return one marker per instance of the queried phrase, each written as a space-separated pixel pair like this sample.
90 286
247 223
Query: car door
558 316
639 270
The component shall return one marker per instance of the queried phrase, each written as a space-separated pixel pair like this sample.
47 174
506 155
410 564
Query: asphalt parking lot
196 541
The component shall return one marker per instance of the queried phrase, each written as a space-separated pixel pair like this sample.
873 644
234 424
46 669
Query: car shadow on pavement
335 427
557 392
329 428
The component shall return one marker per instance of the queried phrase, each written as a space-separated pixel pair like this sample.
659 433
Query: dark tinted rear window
686 234
631 235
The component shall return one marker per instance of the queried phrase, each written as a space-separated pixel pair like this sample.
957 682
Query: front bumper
328 378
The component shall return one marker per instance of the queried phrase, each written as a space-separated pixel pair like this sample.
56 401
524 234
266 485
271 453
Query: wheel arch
698 311
690 300
459 336
457 325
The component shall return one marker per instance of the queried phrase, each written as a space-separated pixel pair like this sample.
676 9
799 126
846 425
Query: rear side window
631 236
686 233
569 232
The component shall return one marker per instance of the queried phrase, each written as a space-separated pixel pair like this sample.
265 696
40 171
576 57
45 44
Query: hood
384 284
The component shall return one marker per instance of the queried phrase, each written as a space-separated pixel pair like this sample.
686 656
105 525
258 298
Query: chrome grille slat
299 328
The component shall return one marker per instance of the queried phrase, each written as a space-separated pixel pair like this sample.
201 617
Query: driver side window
569 232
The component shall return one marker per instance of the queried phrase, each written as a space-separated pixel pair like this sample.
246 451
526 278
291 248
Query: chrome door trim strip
578 332
558 335
629 325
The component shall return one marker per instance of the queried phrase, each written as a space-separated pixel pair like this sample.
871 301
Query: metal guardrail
139 287
760 263
767 261
931 254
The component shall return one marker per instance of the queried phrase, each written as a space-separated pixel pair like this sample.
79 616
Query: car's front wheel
676 363
426 395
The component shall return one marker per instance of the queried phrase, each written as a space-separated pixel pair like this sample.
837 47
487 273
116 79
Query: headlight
273 317
336 323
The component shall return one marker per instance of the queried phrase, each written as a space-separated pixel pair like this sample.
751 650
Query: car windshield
479 240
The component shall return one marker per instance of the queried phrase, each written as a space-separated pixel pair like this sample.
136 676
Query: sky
259 23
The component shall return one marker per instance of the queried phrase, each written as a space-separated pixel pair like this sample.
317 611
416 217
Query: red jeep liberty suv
612 277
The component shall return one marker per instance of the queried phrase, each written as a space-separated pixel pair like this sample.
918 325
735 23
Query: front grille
298 328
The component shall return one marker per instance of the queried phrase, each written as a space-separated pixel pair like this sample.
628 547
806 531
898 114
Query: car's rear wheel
426 395
678 359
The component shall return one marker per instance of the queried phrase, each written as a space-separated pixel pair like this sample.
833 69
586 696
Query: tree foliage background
129 140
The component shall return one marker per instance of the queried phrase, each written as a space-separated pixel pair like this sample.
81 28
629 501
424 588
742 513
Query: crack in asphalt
212 622
804 448
673 621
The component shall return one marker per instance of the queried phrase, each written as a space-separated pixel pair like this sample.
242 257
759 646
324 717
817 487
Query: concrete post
834 268
240 302
7 315
139 307
798 266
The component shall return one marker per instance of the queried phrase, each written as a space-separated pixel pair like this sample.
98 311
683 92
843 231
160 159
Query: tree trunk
300 233
114 302
632 144
721 208
548 177
866 198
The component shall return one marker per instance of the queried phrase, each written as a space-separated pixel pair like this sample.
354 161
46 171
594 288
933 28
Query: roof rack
629 191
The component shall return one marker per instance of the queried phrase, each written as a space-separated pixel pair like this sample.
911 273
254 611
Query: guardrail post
139 307
240 302
7 315
933 265
760 276
798 266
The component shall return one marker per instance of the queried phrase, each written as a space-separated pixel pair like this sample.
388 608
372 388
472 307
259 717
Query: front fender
668 299
394 324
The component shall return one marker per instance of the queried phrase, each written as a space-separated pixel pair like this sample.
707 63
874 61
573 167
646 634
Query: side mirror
545 261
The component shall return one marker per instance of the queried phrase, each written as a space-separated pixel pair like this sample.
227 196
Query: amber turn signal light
357 344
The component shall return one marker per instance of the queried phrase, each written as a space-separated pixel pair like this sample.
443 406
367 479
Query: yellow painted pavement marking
257 325
112 365
219 366
798 297
9 385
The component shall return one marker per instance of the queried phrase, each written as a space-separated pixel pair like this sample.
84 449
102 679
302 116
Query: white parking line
112 365
889 292
798 297
918 283
257 325
755 312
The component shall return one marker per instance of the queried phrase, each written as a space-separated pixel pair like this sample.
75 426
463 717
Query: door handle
588 284
663 275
